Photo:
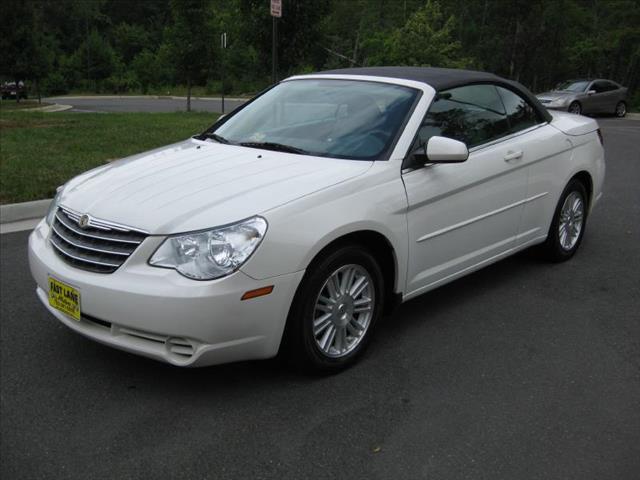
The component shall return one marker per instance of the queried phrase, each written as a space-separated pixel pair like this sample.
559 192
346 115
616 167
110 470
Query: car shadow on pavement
400 325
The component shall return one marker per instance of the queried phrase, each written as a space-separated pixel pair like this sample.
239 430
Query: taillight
600 137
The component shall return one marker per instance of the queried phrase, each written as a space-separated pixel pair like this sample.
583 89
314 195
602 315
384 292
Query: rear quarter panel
583 153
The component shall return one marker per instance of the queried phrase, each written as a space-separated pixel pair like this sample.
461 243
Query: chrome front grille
98 246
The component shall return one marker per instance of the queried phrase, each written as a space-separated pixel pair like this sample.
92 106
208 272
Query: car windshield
573 86
350 119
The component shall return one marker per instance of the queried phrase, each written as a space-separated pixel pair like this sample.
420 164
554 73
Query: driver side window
472 114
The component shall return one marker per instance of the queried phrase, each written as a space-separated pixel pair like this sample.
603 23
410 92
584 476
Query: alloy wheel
343 310
571 221
575 108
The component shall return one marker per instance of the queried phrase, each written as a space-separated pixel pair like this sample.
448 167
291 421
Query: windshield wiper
277 147
216 137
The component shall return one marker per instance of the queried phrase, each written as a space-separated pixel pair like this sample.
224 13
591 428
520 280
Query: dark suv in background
11 90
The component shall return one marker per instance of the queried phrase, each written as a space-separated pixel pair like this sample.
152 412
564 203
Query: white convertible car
294 223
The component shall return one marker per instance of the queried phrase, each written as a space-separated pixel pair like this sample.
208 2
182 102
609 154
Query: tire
302 346
621 109
571 214
575 107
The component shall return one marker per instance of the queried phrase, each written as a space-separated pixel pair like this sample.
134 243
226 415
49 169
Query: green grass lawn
40 151
10 105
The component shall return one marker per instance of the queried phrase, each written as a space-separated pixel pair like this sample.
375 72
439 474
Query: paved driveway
524 370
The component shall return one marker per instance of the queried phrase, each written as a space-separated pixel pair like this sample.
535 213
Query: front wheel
569 223
575 107
335 310
621 109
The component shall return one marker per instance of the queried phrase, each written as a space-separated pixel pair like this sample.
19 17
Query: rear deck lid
572 124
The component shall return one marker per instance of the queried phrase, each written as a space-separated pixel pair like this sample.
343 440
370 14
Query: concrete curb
633 116
56 107
14 212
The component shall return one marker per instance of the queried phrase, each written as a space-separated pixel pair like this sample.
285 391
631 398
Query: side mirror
442 150
591 92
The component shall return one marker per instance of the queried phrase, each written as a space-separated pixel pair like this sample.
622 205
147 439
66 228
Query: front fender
299 230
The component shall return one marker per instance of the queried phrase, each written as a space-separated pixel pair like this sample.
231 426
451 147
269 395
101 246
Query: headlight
53 206
211 253
559 102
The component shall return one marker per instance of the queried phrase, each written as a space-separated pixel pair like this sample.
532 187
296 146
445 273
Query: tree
145 65
190 41
300 36
129 40
97 56
426 39
16 41
125 44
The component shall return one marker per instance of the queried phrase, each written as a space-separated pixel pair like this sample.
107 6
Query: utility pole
276 12
86 28
223 46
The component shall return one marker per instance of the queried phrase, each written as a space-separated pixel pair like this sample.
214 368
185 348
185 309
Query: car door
598 99
463 215
589 99
546 153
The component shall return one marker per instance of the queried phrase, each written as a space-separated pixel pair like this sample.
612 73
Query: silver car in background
587 96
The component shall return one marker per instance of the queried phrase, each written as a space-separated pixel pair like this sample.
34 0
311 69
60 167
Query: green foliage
96 56
427 39
145 67
54 84
147 45
76 143
129 40
189 39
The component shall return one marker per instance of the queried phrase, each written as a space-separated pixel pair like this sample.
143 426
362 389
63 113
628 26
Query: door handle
510 156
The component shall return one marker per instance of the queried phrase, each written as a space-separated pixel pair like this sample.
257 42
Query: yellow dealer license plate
64 298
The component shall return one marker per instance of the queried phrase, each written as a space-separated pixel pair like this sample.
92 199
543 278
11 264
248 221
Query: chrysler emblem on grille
83 221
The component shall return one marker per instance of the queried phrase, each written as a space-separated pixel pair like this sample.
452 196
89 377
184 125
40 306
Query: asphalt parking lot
524 370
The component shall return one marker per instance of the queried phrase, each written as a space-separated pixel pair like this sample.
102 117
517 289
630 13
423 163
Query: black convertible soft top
443 79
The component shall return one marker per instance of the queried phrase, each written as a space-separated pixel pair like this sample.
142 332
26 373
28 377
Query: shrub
55 84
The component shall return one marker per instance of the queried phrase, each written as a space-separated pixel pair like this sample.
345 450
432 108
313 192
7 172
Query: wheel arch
579 102
383 251
585 178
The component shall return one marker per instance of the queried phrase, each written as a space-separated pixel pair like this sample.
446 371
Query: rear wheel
335 310
621 109
575 107
569 222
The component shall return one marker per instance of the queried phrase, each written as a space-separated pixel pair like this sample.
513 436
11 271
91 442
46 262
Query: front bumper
157 313
555 106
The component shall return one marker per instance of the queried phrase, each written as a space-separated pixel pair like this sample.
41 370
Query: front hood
194 185
555 95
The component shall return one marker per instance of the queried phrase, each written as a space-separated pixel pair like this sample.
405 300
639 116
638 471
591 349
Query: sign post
223 46
276 12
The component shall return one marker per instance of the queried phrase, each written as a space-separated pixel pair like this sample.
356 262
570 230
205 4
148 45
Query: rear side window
473 114
520 114
599 87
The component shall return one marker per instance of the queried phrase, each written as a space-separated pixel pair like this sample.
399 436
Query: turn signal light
258 292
